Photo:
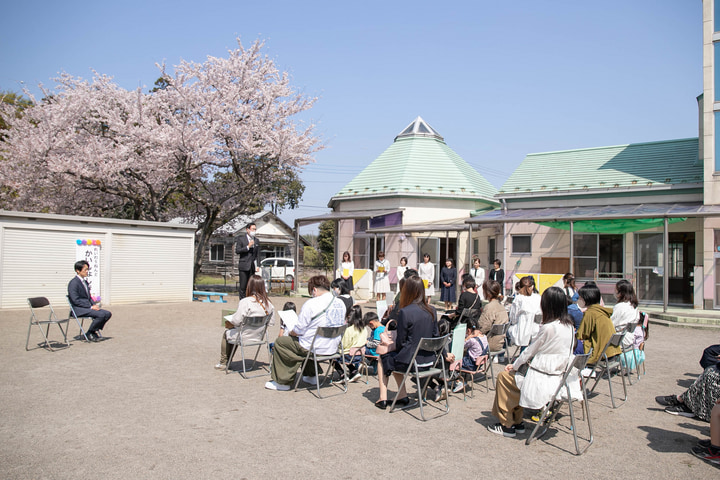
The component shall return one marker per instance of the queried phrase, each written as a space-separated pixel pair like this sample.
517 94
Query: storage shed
138 261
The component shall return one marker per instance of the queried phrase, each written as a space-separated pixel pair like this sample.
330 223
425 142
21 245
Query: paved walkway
147 403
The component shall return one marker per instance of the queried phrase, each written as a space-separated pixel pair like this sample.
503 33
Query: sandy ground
146 403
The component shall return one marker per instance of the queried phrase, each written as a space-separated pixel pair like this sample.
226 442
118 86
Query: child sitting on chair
353 341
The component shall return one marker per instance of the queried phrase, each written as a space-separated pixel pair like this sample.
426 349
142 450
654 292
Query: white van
280 268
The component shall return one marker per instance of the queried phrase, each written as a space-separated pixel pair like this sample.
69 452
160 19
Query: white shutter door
36 263
148 268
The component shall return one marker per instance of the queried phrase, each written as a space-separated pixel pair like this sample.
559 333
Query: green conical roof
419 163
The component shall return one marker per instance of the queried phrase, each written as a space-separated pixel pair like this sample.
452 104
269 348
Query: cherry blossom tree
215 140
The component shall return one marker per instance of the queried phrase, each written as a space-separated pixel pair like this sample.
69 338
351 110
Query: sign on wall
89 250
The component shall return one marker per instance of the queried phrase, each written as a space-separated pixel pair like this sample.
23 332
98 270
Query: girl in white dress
400 271
382 282
426 271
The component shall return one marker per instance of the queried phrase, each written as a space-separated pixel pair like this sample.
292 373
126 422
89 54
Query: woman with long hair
347 268
255 304
426 271
416 320
625 311
548 356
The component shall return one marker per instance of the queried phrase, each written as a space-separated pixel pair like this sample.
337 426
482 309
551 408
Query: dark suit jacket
247 256
79 297
414 323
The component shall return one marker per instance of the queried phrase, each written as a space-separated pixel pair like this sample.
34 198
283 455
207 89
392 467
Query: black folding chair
37 303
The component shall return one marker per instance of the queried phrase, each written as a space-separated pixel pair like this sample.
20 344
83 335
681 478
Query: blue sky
497 79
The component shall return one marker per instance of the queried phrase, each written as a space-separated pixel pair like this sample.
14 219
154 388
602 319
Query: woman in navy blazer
416 320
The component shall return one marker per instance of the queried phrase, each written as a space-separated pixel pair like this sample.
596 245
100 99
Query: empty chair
325 332
36 304
605 367
253 333
563 394
80 320
435 346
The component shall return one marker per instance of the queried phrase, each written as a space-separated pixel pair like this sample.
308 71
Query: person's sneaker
273 385
357 376
707 453
499 429
704 443
519 427
680 410
668 400
220 366
441 395
309 380
459 387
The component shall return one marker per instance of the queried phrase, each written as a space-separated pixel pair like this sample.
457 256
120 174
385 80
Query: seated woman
339 287
625 311
416 319
596 327
523 310
469 298
549 354
699 399
493 314
255 304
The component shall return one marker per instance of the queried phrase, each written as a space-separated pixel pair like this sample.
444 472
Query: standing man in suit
82 303
247 249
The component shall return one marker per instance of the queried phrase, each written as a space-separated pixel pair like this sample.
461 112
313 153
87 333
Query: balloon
79 242
84 242
89 242
98 242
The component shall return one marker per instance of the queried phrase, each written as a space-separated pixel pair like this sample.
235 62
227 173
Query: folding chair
253 333
499 329
325 332
606 365
434 345
365 364
80 320
38 303
482 364
553 406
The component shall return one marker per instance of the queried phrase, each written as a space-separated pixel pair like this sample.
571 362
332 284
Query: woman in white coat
523 310
548 357
426 271
478 273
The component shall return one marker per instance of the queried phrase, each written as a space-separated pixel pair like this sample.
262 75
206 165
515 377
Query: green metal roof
419 163
637 166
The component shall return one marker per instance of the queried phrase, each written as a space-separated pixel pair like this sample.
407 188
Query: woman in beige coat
493 314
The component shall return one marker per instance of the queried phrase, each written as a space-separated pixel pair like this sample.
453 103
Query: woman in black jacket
416 320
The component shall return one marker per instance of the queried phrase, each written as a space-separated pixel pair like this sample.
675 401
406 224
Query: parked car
280 268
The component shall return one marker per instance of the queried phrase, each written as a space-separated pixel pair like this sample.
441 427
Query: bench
206 296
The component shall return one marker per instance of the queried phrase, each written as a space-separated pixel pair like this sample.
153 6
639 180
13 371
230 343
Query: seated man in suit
82 303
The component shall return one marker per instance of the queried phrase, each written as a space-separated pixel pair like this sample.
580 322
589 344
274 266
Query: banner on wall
89 250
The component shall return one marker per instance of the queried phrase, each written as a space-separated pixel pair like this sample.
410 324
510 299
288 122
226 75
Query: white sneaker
496 360
309 380
356 377
459 387
273 385
220 366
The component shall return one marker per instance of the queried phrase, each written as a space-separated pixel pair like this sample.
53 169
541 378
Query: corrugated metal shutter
35 264
149 268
